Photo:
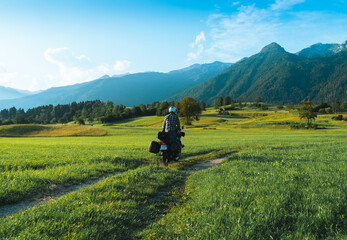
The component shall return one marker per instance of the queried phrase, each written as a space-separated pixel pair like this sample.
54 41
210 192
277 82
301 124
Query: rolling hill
130 89
278 76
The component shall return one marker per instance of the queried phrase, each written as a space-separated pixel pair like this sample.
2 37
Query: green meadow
275 183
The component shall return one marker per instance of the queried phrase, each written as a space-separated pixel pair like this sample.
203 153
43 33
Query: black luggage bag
154 147
163 136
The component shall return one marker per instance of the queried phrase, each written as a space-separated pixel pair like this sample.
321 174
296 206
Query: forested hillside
276 76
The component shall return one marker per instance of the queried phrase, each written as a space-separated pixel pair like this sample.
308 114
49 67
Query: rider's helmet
173 110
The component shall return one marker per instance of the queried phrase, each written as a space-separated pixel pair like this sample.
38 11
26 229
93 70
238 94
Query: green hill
278 76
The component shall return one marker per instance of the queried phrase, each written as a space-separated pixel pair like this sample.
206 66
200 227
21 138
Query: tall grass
286 192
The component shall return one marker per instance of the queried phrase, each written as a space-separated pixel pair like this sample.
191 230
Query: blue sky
61 42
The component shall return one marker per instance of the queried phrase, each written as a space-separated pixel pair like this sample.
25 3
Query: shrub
303 126
8 122
322 111
338 118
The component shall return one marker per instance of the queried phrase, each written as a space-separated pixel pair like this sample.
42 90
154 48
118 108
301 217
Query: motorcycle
166 147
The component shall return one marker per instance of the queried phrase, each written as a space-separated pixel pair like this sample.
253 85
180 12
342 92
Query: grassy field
295 191
277 183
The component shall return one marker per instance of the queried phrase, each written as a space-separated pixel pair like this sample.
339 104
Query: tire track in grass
118 207
58 191
204 161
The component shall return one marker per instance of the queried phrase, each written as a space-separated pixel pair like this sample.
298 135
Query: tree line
92 111
334 106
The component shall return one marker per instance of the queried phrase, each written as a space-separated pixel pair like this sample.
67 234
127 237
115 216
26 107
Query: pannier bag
154 147
163 136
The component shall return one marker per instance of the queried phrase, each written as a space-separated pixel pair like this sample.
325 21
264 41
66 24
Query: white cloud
2 68
234 35
246 31
7 78
76 69
50 52
200 37
104 68
197 46
83 57
120 66
285 4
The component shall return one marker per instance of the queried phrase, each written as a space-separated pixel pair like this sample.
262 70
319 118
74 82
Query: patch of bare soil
205 165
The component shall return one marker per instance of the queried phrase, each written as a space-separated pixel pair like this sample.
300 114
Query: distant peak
273 47
322 50
104 77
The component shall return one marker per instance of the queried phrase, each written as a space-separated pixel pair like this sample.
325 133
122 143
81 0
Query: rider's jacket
171 123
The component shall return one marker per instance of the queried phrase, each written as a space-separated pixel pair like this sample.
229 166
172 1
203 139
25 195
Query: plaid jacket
171 123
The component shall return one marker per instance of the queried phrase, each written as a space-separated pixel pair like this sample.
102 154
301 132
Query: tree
163 108
143 109
202 105
218 103
63 120
189 109
227 100
306 111
344 106
12 112
335 105
257 101
20 119
80 121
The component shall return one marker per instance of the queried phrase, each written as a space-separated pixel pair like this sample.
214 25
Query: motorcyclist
172 125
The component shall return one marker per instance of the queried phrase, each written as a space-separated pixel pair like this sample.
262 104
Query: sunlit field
276 182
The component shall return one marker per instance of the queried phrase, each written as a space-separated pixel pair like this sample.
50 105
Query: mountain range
129 89
318 73
12 93
277 76
322 50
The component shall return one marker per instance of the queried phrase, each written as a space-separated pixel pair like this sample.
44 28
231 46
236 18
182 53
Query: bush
328 110
338 118
322 111
303 126
223 112
8 122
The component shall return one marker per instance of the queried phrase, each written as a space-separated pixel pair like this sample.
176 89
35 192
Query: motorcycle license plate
163 147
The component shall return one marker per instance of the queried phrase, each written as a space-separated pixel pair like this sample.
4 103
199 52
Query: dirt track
61 191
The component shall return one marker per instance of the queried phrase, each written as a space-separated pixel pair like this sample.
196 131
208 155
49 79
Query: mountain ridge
12 93
130 89
322 50
277 76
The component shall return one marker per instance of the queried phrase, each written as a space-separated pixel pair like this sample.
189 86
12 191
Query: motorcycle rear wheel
165 159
